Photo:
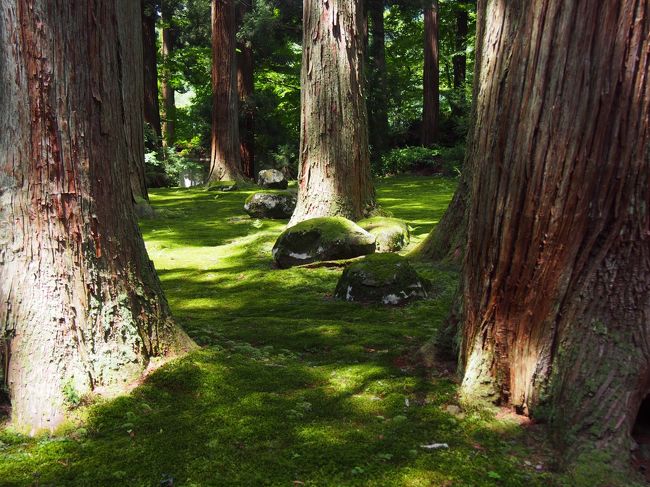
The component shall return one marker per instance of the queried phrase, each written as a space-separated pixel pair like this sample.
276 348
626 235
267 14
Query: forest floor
291 387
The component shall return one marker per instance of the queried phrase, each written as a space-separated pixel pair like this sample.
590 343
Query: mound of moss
391 234
382 278
278 205
319 239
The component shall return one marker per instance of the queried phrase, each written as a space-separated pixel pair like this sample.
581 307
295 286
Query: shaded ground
291 387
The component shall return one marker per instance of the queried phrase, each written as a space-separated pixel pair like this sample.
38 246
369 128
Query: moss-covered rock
272 179
382 278
391 234
278 205
319 239
143 209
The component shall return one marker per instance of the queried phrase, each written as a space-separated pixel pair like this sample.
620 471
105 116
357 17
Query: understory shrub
434 160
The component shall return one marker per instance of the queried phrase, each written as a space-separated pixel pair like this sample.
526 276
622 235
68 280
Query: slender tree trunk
460 59
334 158
169 102
151 105
377 88
245 88
557 272
225 164
82 309
431 109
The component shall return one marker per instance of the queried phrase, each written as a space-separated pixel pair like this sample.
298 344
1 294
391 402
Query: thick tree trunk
460 59
225 164
151 104
81 306
557 272
431 108
377 88
245 88
169 102
334 158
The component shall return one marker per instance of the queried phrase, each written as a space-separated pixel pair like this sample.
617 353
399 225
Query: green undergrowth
291 387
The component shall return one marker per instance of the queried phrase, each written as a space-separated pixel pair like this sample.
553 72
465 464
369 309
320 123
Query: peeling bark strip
80 304
334 159
225 164
557 273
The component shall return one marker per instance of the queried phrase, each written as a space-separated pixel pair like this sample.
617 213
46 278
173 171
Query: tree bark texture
334 171
377 87
460 58
169 101
225 164
557 272
245 88
81 305
151 104
431 108
130 44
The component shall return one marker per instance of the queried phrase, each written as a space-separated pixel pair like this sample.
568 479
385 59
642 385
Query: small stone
271 205
321 239
381 278
272 179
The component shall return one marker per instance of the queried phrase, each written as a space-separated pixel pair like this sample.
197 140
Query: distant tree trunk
82 309
448 239
377 86
334 158
151 105
169 102
431 109
225 164
245 88
460 60
130 43
557 272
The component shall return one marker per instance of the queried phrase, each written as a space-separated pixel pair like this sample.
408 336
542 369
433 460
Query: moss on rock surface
382 278
272 179
391 234
278 205
319 239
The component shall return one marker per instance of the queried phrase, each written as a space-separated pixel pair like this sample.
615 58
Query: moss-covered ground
291 387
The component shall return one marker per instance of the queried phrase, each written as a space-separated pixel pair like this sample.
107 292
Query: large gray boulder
391 234
319 239
272 179
278 205
381 278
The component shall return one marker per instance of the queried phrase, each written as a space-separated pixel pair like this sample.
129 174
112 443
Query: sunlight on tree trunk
334 158
169 102
557 272
151 104
82 308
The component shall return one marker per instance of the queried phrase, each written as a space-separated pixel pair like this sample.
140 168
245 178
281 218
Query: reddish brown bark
557 272
431 108
334 174
151 104
245 88
82 309
225 164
